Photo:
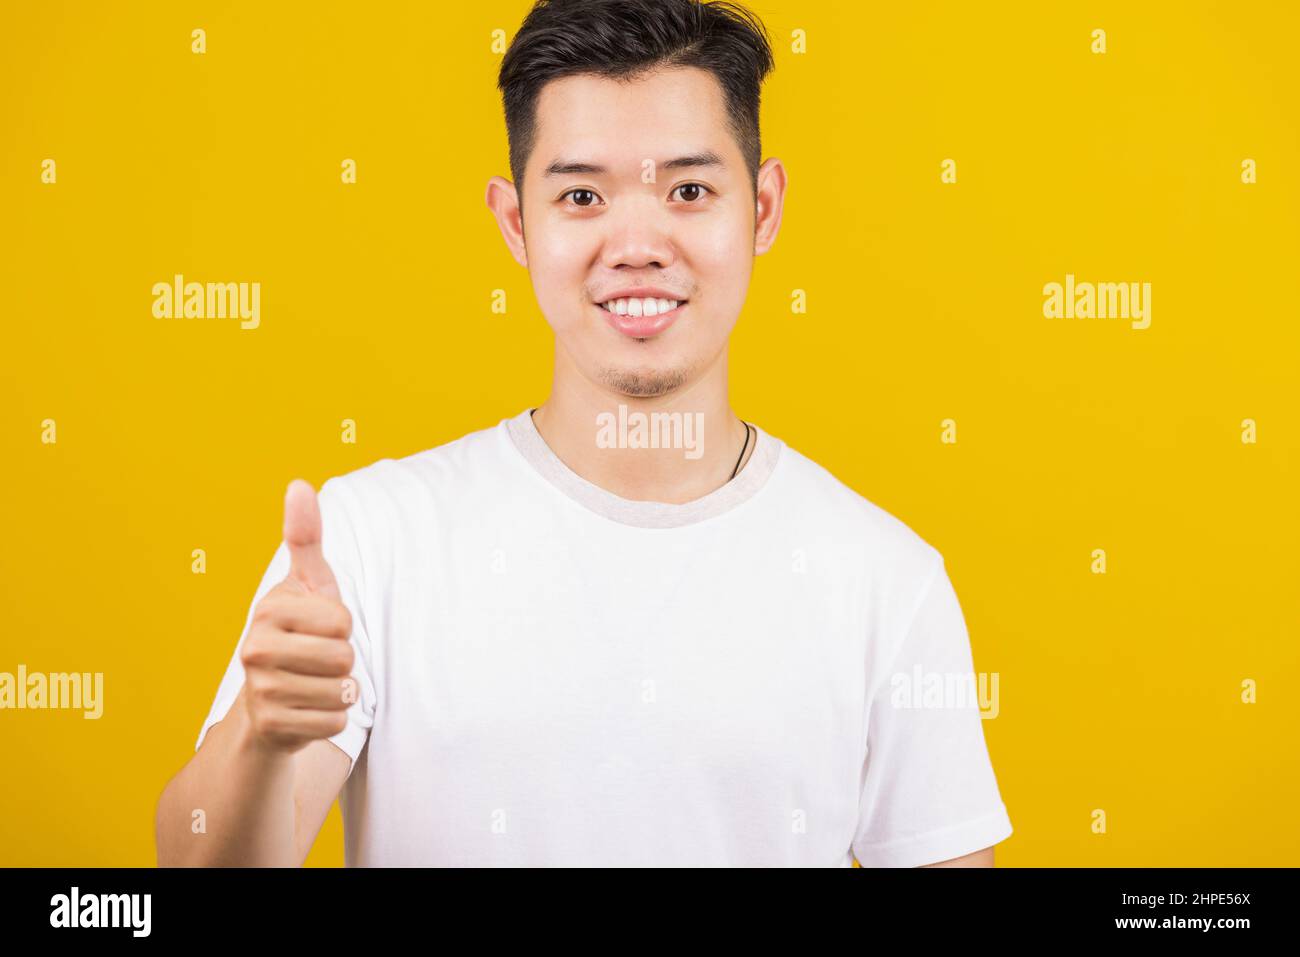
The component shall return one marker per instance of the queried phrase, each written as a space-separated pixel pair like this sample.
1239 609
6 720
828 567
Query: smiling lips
641 313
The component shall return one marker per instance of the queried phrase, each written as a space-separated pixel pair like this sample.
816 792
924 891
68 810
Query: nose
639 237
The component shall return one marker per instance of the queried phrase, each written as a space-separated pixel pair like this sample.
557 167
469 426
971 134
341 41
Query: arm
929 794
982 858
261 807
266 774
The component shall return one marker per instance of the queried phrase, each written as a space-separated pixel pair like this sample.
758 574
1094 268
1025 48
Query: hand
297 659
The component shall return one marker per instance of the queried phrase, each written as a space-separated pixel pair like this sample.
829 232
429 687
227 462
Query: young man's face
686 231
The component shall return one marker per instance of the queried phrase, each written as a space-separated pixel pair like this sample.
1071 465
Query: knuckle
255 681
255 653
263 686
264 613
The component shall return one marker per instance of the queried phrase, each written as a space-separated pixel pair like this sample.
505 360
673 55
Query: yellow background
1119 692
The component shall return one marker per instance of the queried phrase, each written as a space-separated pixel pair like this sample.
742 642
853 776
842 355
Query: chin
644 382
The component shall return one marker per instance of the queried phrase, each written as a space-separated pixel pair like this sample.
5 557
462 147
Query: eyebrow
691 161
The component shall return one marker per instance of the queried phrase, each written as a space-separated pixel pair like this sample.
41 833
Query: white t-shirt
554 675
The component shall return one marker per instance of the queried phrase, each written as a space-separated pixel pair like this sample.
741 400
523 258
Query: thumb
302 535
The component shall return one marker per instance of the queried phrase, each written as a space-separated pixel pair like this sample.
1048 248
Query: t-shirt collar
755 473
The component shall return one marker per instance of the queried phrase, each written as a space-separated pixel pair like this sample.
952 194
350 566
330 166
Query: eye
582 192
694 186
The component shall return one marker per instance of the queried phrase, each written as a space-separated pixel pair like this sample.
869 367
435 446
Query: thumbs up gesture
296 657
302 535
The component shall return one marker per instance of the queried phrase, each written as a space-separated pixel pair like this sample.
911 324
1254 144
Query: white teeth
640 307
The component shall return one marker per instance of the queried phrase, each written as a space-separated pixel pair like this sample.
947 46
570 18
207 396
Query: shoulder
375 507
900 568
828 500
389 483
830 507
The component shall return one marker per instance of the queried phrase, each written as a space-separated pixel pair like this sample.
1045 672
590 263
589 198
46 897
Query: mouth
641 318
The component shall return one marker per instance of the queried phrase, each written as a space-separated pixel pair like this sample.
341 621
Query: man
625 627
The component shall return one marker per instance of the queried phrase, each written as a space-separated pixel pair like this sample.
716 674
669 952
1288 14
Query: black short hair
624 39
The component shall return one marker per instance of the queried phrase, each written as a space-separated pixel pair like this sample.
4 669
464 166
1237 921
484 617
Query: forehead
601 120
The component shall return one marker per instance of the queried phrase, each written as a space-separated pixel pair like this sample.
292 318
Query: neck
582 423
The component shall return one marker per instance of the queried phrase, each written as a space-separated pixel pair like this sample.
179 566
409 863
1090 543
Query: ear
503 200
768 205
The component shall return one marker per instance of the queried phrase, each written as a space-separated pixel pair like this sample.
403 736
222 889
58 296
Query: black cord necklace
742 448
742 452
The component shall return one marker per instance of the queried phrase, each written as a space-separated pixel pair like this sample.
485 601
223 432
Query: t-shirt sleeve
340 549
929 791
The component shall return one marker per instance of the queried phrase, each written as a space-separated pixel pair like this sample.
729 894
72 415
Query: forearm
245 794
